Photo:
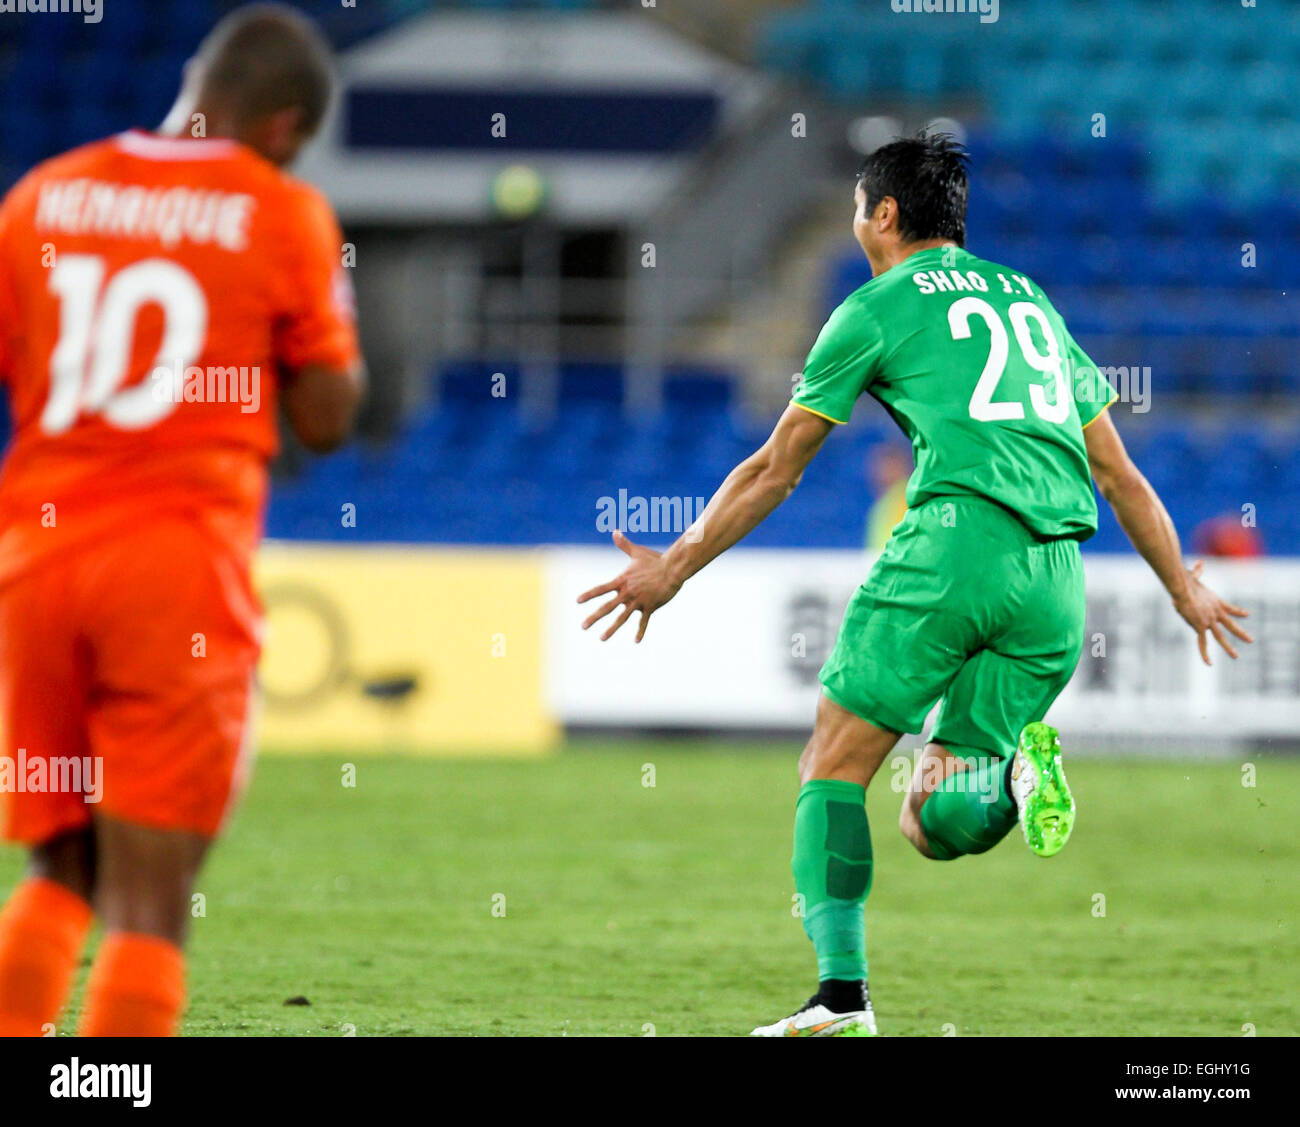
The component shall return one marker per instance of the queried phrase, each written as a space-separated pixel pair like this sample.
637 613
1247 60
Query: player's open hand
644 586
1204 612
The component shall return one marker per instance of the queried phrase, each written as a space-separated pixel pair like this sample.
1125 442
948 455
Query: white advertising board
741 645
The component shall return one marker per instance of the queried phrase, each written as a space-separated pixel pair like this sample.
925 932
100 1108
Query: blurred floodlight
867 134
949 125
518 191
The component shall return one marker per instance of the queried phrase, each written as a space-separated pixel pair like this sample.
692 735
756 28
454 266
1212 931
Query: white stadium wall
740 647
439 650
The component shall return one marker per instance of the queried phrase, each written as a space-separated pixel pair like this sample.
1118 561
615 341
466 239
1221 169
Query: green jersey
979 370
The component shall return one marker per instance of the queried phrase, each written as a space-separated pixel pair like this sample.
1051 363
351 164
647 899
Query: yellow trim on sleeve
837 422
1099 414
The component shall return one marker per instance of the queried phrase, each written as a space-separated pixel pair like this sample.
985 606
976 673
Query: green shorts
966 605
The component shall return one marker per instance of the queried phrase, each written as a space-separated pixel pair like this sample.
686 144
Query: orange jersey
153 293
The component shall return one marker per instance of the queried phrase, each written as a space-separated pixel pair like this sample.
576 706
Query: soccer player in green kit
977 600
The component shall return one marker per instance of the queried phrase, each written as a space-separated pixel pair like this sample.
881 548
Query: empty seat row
470 471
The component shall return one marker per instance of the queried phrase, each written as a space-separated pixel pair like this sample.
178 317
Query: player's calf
909 822
144 877
143 883
957 804
832 866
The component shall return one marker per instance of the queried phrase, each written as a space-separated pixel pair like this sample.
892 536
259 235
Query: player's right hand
1205 612
644 587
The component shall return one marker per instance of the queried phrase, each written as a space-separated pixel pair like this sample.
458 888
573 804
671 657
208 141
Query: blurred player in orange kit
160 294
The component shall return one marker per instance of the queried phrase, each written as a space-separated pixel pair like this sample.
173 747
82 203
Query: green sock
971 811
832 872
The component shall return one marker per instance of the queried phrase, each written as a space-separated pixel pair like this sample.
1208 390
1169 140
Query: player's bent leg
832 867
143 884
989 708
958 803
934 766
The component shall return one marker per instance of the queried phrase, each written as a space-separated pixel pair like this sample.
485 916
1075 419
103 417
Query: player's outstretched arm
1145 520
321 404
744 500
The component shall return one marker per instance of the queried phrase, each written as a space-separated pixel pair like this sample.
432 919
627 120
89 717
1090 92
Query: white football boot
1043 799
815 1020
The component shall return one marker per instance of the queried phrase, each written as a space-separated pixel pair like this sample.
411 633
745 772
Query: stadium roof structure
609 110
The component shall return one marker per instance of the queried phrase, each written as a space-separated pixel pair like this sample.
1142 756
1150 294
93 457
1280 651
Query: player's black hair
267 57
926 175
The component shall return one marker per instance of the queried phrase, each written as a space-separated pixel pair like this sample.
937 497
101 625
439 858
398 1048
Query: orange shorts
126 673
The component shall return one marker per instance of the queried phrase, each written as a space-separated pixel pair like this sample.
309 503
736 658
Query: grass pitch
564 897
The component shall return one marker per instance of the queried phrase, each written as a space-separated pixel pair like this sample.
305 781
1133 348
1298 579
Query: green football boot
1042 795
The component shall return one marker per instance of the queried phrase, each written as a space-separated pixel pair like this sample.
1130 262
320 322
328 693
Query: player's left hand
1204 611
644 586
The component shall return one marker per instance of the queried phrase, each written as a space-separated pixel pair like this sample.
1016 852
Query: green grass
628 906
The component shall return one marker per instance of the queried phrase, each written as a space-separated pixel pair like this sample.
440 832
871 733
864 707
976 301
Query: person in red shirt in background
1227 537
160 294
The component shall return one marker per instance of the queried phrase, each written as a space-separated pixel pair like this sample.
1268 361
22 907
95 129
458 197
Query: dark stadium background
1139 236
